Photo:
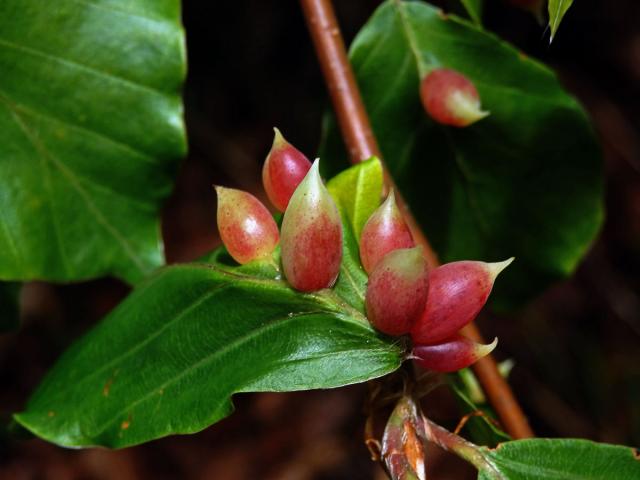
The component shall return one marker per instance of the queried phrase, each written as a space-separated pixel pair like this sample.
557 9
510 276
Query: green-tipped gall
311 236
283 170
450 98
452 354
246 227
457 293
397 291
384 232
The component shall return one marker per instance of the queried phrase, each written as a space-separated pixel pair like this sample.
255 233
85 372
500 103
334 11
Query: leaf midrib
324 298
356 287
408 30
273 323
46 182
138 346
74 182
420 67
121 11
557 18
82 67
17 254
30 110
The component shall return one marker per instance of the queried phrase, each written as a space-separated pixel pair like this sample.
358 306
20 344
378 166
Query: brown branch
361 144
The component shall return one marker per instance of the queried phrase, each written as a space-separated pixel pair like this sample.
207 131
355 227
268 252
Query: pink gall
457 293
246 227
384 232
450 98
311 236
283 170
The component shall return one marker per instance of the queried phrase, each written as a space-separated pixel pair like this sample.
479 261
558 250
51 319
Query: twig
461 447
361 144
476 413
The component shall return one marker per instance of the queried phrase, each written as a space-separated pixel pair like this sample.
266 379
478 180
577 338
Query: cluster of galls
311 231
403 296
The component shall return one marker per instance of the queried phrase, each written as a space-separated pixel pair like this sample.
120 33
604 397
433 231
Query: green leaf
561 459
359 190
221 259
352 281
557 9
90 130
474 9
9 306
169 358
525 181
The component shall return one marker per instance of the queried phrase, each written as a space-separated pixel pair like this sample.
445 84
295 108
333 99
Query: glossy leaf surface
525 181
352 280
557 10
357 193
170 357
359 190
90 131
561 459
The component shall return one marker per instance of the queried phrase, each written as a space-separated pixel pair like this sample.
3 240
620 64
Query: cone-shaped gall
246 227
452 354
397 291
384 232
283 170
450 98
311 236
457 293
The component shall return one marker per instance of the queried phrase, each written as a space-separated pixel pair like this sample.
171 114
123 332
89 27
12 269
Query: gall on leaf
246 227
311 231
283 170
397 291
450 98
384 232
457 293
452 354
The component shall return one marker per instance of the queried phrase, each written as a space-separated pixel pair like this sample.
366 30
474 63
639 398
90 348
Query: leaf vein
391 90
75 183
46 181
483 224
121 11
115 361
421 67
273 323
10 241
80 66
90 131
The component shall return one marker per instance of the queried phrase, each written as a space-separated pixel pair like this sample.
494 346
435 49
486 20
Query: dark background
251 66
